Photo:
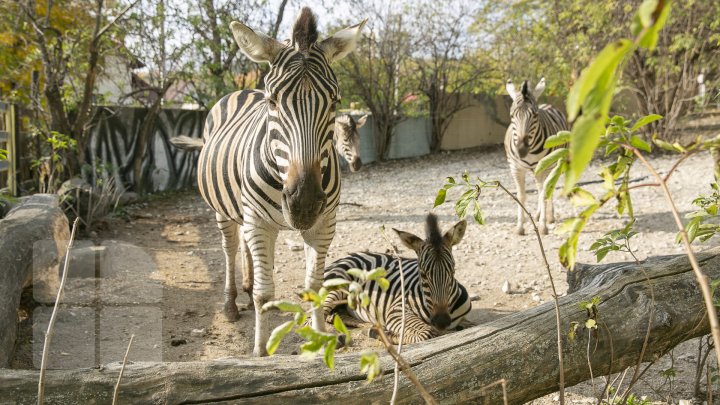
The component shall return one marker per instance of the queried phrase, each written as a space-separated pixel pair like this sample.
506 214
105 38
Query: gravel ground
172 243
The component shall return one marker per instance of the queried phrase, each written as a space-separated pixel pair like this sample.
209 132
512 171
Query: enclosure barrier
8 132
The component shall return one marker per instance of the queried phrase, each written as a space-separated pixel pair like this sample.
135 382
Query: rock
536 297
506 287
198 332
294 246
33 236
474 297
177 342
128 197
87 261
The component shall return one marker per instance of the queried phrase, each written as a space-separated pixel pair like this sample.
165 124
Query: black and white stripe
268 162
530 126
435 300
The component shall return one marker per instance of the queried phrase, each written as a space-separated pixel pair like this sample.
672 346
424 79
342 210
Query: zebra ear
539 88
342 42
258 47
361 121
409 240
455 234
510 87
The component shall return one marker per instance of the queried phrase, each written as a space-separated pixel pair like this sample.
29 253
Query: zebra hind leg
230 242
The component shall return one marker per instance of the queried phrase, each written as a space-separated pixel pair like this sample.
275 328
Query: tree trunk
520 348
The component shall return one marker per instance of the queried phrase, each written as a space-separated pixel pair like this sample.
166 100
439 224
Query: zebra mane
434 237
305 30
526 92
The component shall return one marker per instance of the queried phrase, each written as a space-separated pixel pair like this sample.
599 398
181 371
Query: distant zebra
435 301
346 139
268 161
530 126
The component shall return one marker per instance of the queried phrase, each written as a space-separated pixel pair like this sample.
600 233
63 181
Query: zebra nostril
441 321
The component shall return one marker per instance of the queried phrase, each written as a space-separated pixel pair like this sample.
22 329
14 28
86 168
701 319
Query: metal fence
8 139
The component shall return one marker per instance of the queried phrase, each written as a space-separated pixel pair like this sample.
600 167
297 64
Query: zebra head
437 267
524 115
347 139
301 92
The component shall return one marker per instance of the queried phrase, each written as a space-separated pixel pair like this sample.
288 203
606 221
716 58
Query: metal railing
8 139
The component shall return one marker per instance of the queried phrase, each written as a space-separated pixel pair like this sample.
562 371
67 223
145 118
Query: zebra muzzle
441 320
303 199
355 164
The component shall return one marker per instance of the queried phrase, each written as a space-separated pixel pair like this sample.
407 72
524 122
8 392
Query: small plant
700 224
617 240
51 167
324 342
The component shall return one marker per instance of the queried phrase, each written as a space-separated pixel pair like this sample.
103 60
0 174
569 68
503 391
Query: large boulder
33 238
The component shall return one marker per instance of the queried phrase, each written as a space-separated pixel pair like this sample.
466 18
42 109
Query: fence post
8 141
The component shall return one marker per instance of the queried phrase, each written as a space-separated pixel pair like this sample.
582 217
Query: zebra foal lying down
434 300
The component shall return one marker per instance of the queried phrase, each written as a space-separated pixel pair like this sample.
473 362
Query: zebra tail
187 143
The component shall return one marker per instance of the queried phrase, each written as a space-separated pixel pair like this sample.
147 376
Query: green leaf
340 327
358 274
329 356
440 197
477 213
591 324
552 179
370 365
649 39
383 283
639 143
308 295
558 139
606 60
377 274
550 159
277 335
582 198
283 306
644 121
335 283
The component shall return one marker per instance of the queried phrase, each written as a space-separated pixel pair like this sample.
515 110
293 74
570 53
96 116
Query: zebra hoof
260 352
231 312
373 334
341 341
543 230
520 231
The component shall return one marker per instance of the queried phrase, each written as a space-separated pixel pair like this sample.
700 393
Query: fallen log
520 348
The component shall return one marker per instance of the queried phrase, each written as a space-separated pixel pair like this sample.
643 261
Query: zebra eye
271 102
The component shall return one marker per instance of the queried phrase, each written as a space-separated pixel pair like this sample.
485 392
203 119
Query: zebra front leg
247 269
230 240
317 241
261 244
416 330
519 177
542 203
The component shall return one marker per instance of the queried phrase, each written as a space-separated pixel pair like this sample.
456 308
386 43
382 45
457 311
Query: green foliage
468 203
635 400
323 342
703 223
617 240
3 154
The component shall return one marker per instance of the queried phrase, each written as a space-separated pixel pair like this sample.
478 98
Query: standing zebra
530 126
268 161
435 301
346 139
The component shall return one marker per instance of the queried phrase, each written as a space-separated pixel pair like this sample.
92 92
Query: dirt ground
167 265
